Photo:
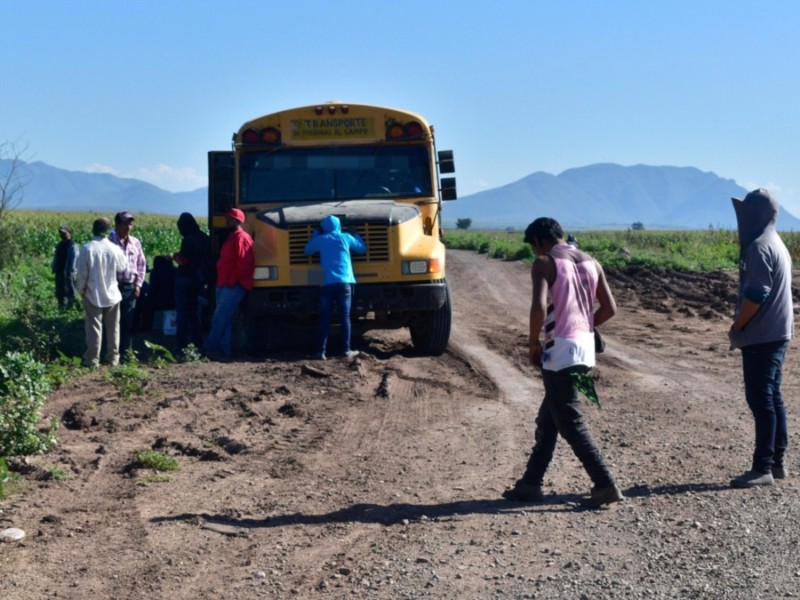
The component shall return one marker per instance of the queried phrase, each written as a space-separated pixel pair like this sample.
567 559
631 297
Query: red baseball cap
235 213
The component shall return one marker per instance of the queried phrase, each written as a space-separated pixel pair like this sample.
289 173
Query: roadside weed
59 474
160 356
129 378
150 459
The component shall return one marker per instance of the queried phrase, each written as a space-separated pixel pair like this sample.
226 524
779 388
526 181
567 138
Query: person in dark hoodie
64 268
190 279
762 327
334 247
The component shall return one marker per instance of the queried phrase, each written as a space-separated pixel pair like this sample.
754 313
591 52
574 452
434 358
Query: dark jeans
762 365
340 294
560 413
65 291
187 316
127 314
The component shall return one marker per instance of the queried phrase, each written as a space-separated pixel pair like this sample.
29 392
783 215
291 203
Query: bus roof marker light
318 110
345 109
413 129
331 109
394 131
251 136
271 135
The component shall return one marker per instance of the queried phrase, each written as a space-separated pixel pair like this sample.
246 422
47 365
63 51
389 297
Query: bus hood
385 212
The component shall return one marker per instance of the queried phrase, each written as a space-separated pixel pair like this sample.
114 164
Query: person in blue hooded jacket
334 247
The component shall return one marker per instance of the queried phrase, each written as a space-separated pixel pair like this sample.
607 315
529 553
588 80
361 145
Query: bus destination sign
331 129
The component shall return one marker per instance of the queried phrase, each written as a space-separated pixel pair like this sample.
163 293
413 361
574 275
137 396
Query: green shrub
707 250
128 377
24 386
150 459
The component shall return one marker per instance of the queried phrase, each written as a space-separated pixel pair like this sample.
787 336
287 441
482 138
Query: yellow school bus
378 171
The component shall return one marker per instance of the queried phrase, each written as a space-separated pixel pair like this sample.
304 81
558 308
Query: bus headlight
420 267
266 273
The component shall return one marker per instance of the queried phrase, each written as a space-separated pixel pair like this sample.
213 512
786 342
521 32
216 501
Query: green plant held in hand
585 385
150 459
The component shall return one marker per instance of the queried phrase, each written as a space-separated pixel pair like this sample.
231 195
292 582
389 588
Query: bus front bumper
391 297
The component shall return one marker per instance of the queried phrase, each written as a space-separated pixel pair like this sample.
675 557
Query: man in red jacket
235 269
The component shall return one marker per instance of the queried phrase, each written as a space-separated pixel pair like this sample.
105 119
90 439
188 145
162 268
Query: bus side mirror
448 188
446 162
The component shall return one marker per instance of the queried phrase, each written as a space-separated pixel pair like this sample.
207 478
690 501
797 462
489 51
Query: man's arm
312 243
82 268
749 310
608 306
141 269
540 276
356 242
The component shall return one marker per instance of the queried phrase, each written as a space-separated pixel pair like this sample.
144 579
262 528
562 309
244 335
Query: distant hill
596 196
613 196
51 188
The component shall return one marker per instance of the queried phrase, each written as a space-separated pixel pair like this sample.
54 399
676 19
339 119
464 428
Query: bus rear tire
430 331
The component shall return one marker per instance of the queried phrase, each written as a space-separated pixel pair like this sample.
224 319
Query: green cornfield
29 316
31 321
36 233
706 250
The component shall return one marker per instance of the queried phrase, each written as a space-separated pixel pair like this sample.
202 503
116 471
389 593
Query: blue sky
145 88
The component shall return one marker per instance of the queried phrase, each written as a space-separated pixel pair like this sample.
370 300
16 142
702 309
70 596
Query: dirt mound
705 295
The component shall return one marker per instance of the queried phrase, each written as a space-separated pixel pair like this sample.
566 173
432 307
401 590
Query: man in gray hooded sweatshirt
762 327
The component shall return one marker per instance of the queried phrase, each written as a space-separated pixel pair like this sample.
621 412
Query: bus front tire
430 331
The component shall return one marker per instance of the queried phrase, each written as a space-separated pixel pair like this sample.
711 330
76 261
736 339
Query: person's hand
136 291
733 337
535 353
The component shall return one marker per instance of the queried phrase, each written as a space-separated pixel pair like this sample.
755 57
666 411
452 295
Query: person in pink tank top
570 298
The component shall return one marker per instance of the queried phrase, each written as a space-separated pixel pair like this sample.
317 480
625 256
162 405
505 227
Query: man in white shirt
98 264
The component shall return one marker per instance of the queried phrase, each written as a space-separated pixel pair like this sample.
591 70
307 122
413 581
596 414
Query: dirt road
381 477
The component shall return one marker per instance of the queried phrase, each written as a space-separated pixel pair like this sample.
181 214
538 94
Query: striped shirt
569 323
137 265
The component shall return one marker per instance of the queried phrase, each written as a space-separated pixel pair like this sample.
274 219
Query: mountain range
53 189
611 196
595 196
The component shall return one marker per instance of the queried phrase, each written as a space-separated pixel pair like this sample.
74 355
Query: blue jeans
762 365
340 294
560 413
187 317
221 334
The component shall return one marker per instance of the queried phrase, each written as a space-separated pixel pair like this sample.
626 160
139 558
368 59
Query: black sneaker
779 472
752 479
524 492
602 496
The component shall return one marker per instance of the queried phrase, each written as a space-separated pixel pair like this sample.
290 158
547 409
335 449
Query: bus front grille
376 237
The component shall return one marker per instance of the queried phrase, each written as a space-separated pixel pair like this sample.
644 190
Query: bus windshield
334 173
